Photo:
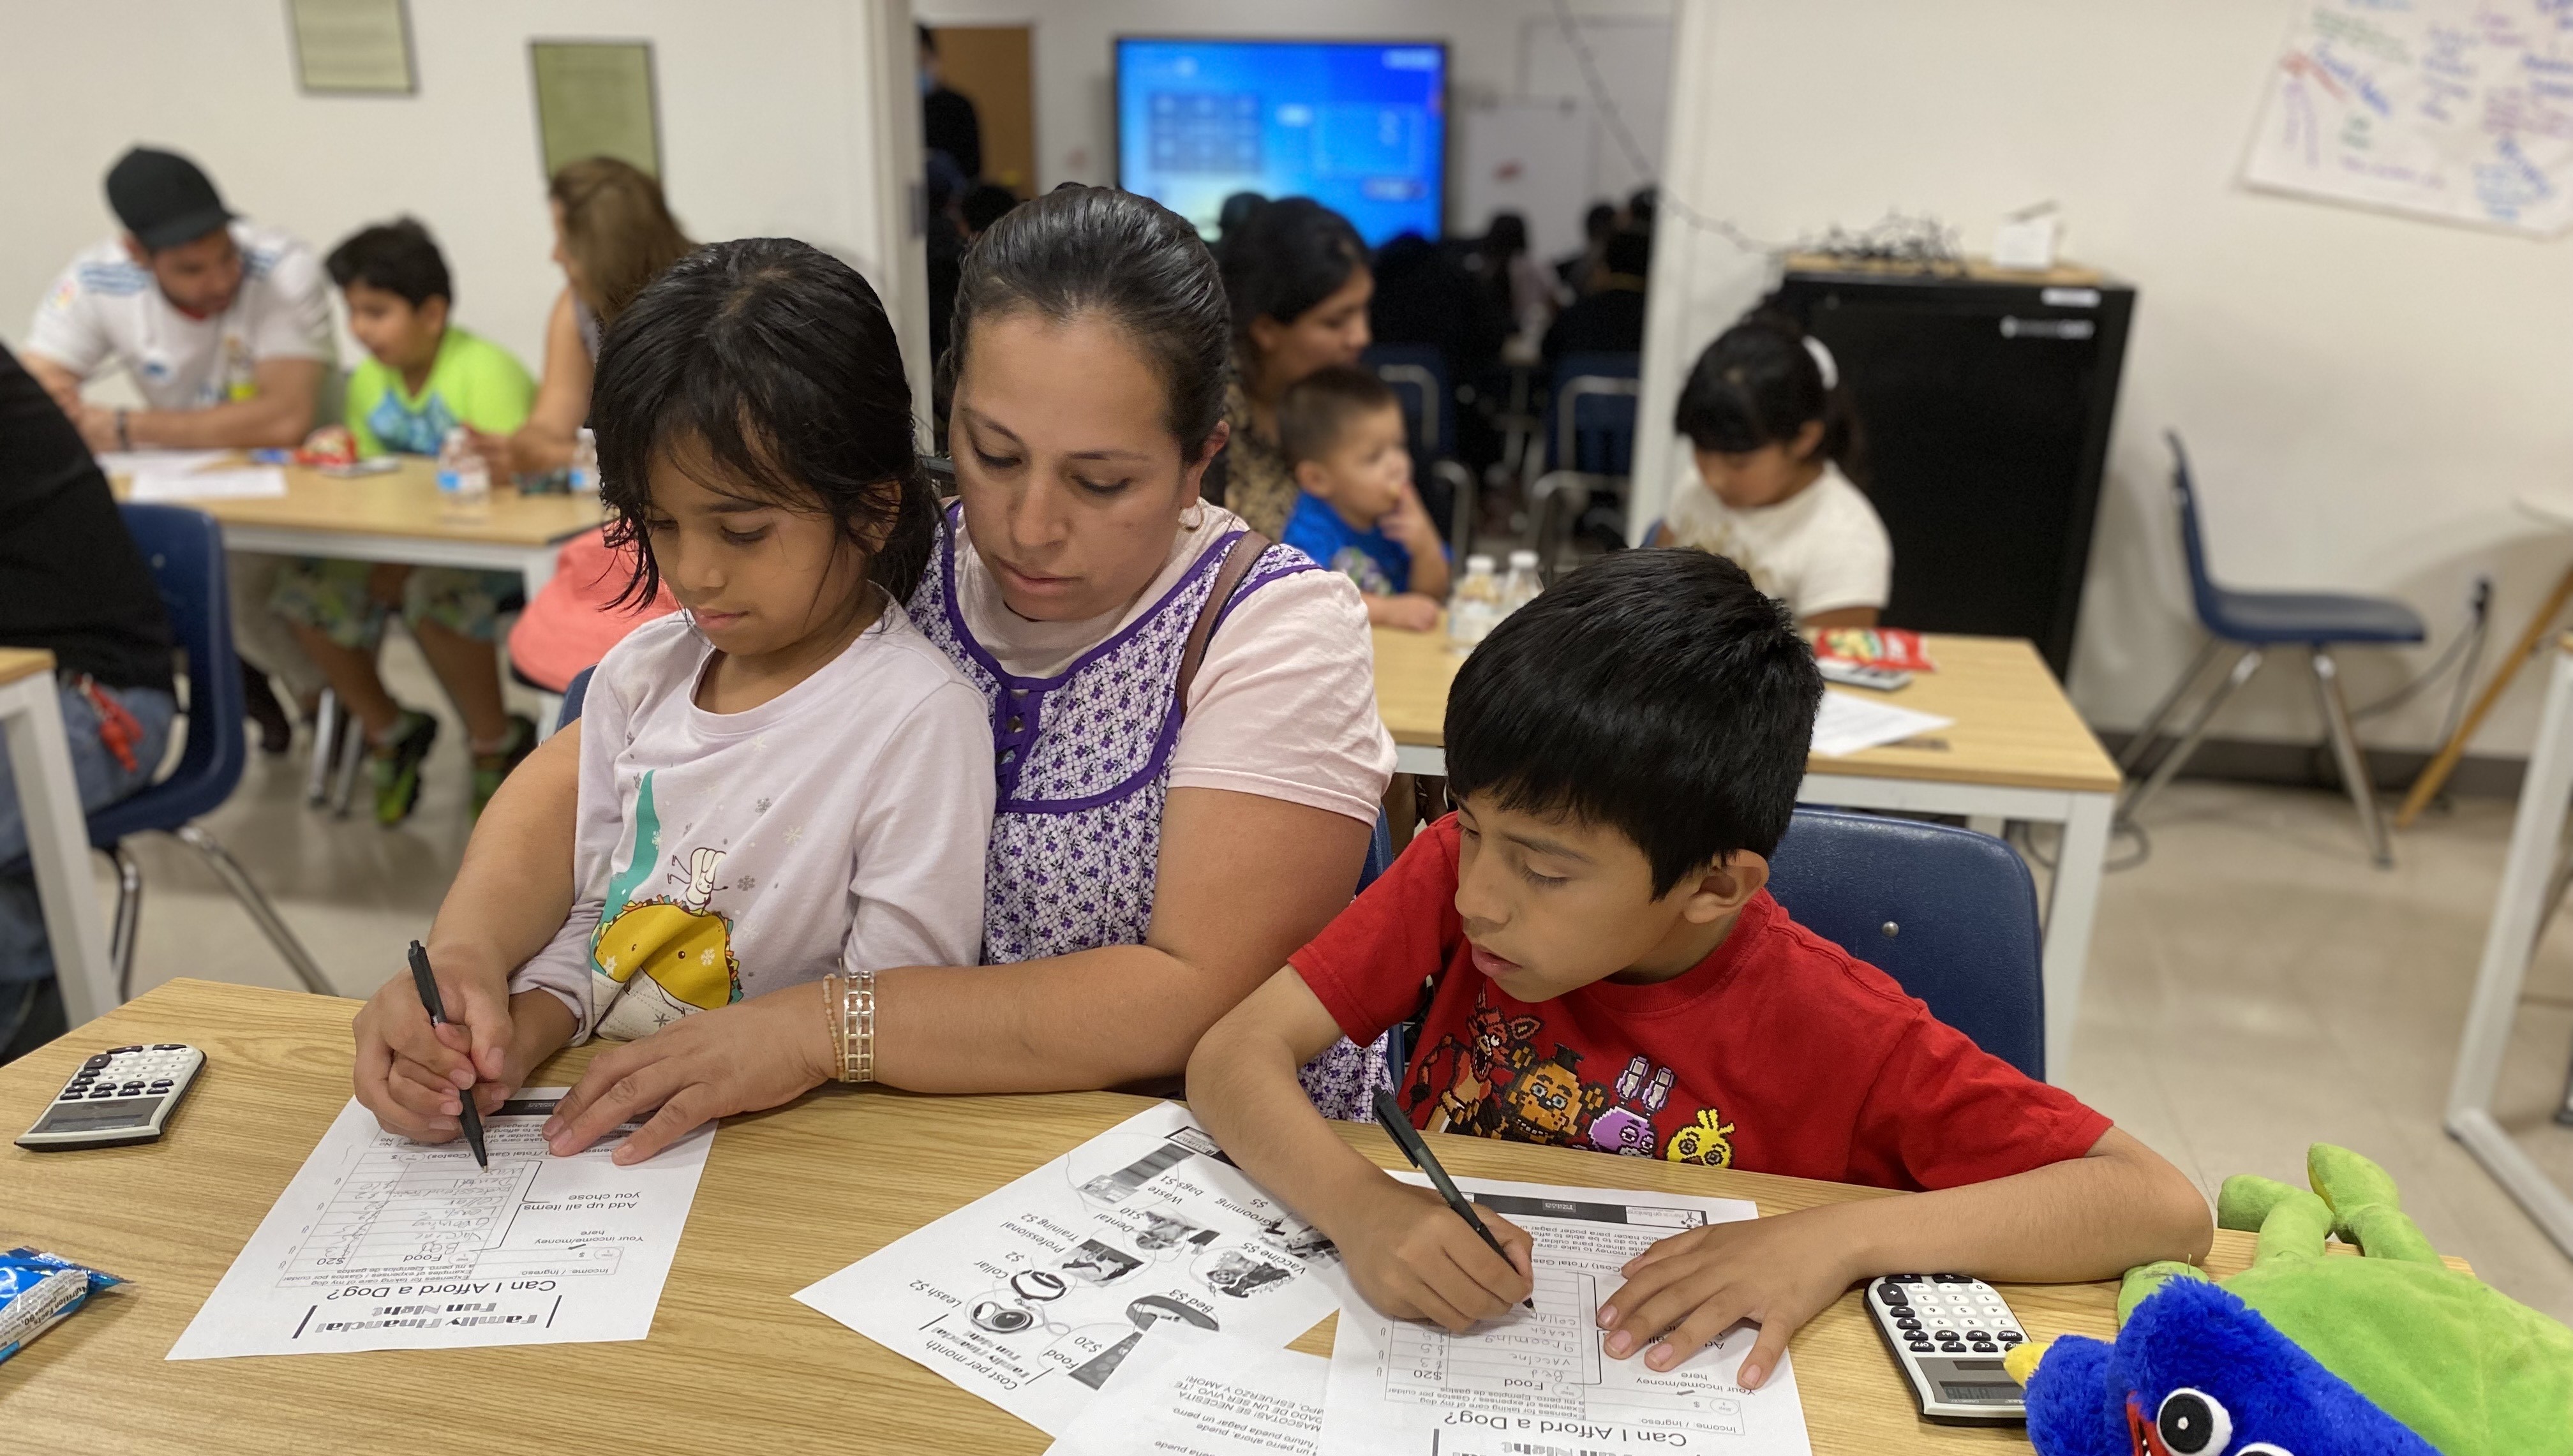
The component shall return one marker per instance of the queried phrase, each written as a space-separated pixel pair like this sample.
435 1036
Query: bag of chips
40 1291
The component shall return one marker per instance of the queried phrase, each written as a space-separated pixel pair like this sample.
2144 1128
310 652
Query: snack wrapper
39 1290
1892 648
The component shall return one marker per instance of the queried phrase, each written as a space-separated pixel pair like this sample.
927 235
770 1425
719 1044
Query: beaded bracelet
831 1020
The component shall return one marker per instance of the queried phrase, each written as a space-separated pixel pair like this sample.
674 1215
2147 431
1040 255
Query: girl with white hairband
1768 425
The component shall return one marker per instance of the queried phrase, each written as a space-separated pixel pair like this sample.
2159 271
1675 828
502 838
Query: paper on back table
383 1244
1030 1295
1543 1382
1848 723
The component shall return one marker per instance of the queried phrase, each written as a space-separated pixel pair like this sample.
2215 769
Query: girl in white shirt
783 780
1767 422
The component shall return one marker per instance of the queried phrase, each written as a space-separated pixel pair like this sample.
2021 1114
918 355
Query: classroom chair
574 692
2252 623
1590 444
185 551
1950 914
1418 374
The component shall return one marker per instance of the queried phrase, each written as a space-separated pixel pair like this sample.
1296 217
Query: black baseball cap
164 199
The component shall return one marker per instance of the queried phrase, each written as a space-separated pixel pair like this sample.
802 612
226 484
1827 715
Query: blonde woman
613 233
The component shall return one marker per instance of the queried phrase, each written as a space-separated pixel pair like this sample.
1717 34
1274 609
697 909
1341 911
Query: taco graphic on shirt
657 959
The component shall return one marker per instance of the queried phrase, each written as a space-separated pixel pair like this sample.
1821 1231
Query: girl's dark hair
779 359
1130 259
1758 385
1284 259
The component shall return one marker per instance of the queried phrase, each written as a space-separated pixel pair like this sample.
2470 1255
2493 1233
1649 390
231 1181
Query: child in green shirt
423 376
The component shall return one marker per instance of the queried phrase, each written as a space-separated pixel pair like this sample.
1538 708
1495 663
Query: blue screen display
1358 126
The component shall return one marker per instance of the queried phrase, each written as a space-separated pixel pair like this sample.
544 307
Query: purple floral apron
1083 760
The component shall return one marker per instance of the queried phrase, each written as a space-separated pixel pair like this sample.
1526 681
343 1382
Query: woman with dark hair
1188 753
1296 274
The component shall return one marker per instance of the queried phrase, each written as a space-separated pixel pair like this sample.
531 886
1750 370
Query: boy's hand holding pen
1416 1254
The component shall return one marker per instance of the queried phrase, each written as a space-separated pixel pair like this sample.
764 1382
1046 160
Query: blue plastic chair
1589 443
185 551
574 692
2254 622
1418 374
1950 914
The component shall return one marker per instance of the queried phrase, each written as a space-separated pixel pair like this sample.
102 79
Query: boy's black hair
778 360
398 258
1758 385
1657 692
1318 407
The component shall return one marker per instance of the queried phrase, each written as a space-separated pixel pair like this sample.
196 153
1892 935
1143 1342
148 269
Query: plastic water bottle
462 478
584 463
1476 607
1521 585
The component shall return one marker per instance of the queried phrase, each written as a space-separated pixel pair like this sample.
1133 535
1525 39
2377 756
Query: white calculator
1949 1332
124 1095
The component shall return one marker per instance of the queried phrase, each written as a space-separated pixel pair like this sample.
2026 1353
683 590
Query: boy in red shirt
1605 969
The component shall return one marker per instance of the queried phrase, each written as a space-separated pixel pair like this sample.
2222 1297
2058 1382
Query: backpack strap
1239 559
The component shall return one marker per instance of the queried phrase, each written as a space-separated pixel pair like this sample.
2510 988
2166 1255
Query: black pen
1400 1129
426 984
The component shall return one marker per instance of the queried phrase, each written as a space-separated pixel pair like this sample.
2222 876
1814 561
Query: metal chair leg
237 880
353 756
328 722
128 919
2168 769
2151 728
2354 768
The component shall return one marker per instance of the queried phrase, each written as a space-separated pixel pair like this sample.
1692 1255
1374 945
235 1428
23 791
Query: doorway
993 66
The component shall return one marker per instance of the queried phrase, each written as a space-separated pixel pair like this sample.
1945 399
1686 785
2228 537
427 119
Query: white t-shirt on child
1820 549
840 826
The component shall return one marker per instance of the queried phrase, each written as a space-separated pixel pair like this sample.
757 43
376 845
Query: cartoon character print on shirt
655 959
409 431
1355 564
1550 1104
1627 1128
1464 1076
1708 1141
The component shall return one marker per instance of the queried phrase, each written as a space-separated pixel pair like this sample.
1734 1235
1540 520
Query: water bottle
1522 583
462 478
1475 608
584 463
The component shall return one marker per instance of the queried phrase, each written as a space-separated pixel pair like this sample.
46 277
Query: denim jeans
24 955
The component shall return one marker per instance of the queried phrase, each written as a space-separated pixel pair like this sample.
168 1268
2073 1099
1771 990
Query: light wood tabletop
18 662
2013 725
732 1363
403 502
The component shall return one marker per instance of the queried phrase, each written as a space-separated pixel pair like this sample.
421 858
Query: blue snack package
39 1290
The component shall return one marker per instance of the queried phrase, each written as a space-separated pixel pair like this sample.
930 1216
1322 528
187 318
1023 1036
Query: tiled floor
2255 986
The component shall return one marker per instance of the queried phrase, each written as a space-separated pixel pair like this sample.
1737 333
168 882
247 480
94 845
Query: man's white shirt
107 306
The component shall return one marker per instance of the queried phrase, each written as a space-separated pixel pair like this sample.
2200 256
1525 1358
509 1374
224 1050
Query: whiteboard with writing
2460 109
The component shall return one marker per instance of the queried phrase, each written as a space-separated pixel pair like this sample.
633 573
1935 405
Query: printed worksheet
1847 723
1189 1392
383 1244
1030 1295
1542 1383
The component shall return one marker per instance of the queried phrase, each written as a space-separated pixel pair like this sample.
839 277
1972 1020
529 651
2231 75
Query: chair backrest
1417 374
1379 855
1950 914
2192 538
1593 412
574 692
185 551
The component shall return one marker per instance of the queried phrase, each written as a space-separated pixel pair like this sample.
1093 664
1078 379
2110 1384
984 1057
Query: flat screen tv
1359 126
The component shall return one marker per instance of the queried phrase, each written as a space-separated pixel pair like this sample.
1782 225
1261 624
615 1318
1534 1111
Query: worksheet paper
1849 723
161 462
250 483
1543 1383
1188 1392
1030 1296
383 1244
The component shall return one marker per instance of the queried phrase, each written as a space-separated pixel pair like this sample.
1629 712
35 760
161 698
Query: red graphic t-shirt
1778 1054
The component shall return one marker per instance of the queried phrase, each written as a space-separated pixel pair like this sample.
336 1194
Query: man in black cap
225 326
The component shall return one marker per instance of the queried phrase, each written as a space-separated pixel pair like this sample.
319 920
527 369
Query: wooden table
2017 750
40 767
399 516
734 1363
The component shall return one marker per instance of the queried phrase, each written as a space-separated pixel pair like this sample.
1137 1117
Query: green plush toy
2465 1368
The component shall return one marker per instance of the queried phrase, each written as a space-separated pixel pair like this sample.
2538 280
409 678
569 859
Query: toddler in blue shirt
1341 431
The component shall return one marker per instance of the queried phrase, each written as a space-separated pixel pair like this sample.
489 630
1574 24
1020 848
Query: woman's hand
744 1058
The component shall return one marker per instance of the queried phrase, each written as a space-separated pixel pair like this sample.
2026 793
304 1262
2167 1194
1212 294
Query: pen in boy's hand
1398 1127
426 985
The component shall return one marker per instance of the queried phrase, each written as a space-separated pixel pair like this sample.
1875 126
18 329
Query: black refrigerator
1983 403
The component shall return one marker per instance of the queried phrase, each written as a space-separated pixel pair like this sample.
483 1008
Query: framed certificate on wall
352 47
594 99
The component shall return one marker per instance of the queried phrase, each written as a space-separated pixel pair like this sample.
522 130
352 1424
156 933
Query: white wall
766 113
1490 53
2362 394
